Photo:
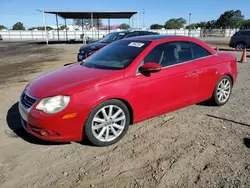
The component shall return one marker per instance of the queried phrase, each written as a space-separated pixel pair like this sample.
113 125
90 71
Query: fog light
44 132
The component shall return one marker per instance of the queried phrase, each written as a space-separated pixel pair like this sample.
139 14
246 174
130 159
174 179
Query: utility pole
189 22
143 18
189 18
45 28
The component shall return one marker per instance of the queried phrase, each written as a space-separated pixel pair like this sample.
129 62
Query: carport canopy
94 15
87 15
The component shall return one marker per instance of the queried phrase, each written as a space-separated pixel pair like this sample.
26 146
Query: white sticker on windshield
121 33
136 44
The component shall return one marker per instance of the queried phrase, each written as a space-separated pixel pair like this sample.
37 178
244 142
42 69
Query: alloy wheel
223 90
240 46
108 123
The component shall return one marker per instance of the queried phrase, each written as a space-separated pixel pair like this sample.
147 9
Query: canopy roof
86 15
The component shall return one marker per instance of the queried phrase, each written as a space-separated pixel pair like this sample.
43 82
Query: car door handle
193 74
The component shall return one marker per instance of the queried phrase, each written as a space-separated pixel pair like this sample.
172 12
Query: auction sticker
136 44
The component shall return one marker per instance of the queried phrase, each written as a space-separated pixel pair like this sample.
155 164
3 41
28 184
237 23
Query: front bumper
53 127
231 44
80 57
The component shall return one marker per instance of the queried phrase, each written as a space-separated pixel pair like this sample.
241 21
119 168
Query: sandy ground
198 146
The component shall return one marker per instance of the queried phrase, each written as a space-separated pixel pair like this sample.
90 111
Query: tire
240 46
222 94
102 130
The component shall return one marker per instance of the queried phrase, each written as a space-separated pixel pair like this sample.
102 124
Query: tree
62 27
87 22
18 26
175 23
202 25
2 27
230 19
156 26
48 28
245 24
124 26
193 26
211 24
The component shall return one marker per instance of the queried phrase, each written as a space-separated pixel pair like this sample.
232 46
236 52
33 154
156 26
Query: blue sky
156 11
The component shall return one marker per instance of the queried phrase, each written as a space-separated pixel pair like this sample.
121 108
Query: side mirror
150 68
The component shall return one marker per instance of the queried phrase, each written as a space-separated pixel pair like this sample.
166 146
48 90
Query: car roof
156 37
131 31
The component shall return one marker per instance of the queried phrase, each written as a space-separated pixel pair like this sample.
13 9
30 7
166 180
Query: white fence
53 35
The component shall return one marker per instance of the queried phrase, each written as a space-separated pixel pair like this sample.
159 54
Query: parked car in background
88 49
126 82
240 40
1 37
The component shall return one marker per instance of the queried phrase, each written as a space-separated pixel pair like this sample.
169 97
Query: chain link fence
76 35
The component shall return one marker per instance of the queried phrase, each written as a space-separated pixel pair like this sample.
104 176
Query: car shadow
67 64
206 103
229 120
246 142
13 119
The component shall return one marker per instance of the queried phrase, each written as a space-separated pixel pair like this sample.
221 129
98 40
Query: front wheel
107 123
222 91
240 46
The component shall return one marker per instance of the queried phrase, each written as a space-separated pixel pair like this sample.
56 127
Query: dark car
1 37
88 49
240 40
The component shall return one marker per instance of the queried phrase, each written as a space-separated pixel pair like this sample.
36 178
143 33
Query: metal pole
98 26
189 33
92 25
82 25
190 18
66 29
44 21
45 28
138 20
57 27
143 19
133 21
109 24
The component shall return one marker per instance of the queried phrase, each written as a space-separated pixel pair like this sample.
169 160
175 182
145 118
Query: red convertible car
126 82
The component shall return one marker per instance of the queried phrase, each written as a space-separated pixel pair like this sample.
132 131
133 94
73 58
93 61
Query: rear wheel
222 91
240 46
107 123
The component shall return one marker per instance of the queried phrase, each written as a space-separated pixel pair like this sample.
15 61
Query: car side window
237 34
144 33
199 51
134 34
170 53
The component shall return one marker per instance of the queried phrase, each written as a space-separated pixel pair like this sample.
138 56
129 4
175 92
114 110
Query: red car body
170 89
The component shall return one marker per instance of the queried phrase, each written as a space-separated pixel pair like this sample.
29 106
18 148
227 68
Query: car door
207 68
174 86
248 38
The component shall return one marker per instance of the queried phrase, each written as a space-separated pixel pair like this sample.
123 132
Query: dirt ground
198 146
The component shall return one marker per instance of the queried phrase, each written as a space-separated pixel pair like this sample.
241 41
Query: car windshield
113 37
117 55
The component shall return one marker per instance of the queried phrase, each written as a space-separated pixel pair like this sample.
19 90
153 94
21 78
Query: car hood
93 46
70 79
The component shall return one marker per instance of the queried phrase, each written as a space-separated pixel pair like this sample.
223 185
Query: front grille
27 101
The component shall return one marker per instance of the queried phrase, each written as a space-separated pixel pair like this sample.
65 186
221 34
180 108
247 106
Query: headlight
52 105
